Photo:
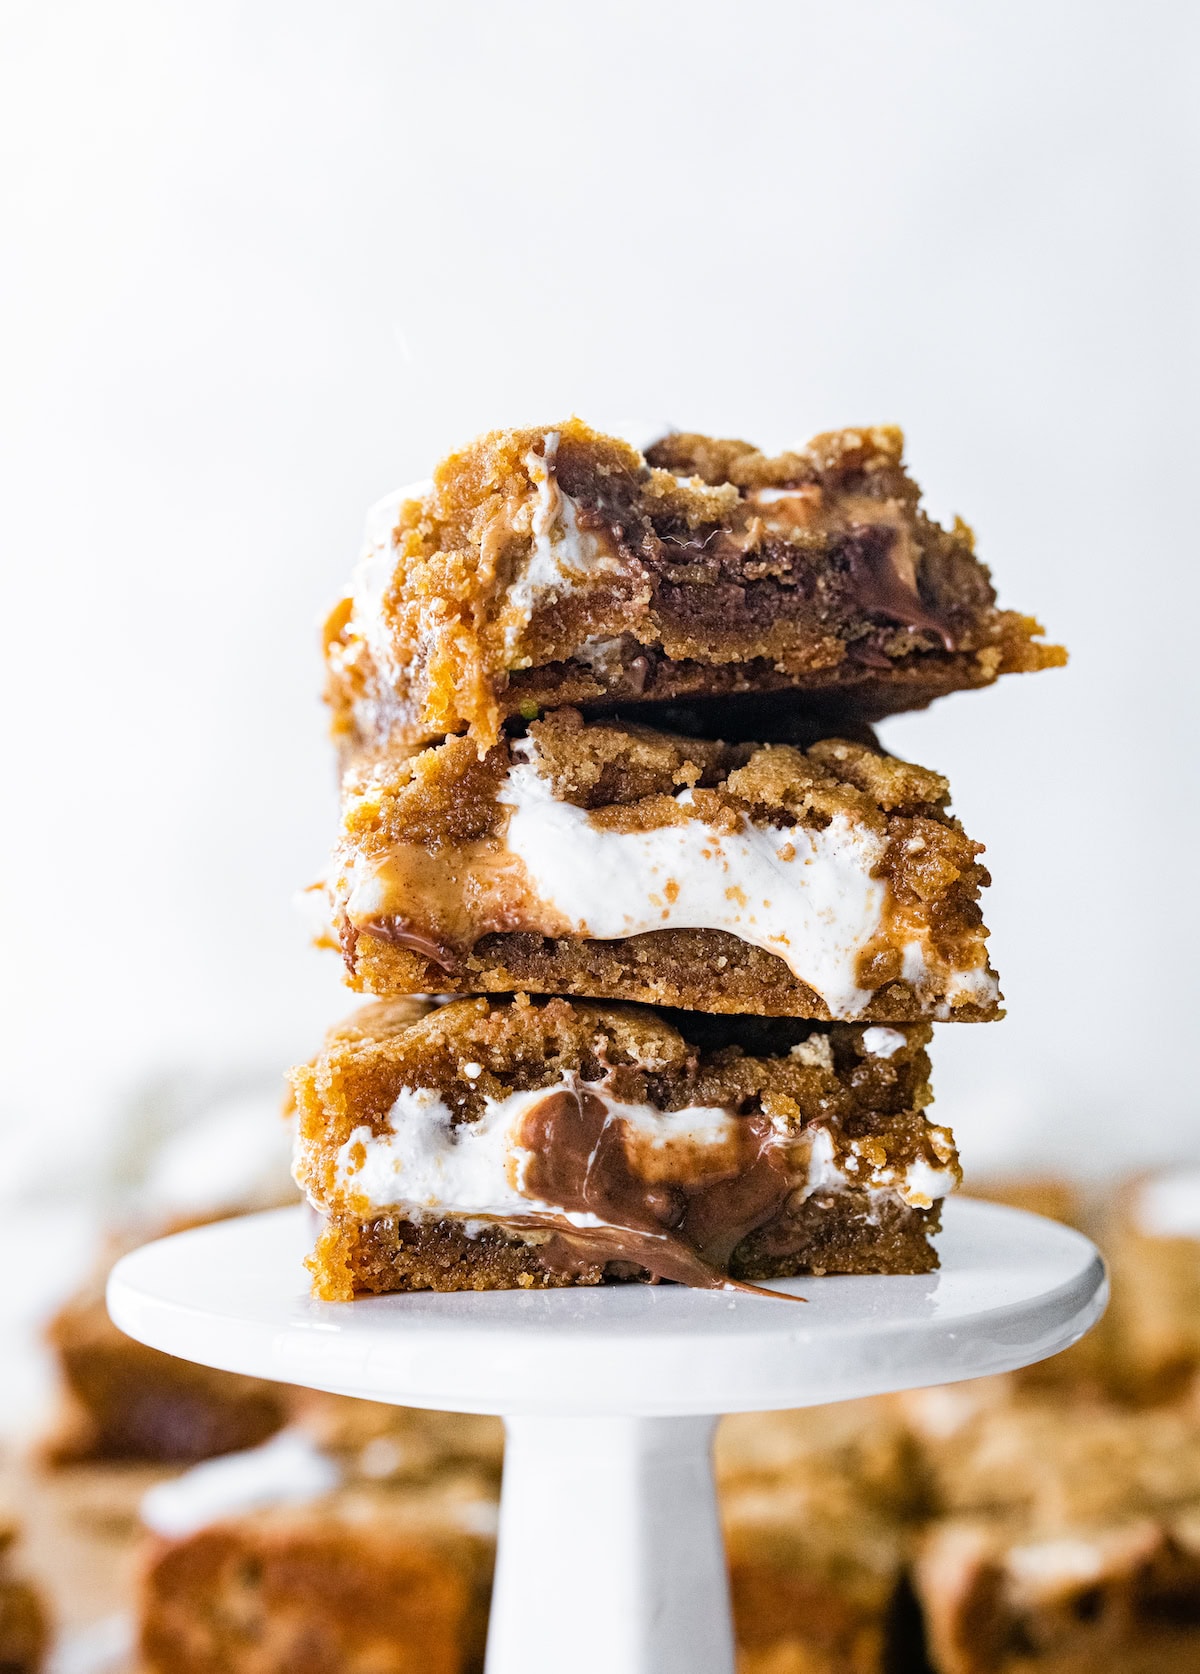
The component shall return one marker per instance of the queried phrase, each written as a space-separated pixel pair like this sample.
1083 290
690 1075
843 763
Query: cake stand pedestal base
615 1520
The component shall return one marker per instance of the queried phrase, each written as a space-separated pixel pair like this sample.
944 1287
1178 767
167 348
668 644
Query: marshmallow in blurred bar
122 1399
284 1560
1155 1254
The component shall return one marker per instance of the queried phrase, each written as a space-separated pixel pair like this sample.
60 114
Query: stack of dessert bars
610 792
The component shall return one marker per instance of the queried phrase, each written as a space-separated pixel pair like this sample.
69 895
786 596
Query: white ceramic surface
610 1558
1012 1289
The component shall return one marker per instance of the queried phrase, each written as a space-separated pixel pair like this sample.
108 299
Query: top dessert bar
543 567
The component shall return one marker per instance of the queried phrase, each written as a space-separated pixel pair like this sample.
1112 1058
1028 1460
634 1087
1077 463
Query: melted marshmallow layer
808 896
562 555
425 1164
813 897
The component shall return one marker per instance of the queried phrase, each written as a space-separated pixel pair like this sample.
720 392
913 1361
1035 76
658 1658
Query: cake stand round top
1012 1288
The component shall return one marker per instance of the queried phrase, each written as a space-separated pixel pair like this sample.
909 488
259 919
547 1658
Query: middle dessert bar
610 860
494 1143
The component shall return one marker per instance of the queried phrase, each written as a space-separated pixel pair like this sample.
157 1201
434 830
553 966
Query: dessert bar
24 1628
376 1441
492 1143
814 1506
991 1447
367 1580
602 858
814 1579
126 1401
1000 1597
81 1542
543 567
1068 1534
1155 1249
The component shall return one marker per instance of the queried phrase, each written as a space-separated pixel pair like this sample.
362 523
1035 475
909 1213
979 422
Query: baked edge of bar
679 972
391 1253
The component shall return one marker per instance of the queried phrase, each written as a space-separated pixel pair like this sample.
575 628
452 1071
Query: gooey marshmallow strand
807 896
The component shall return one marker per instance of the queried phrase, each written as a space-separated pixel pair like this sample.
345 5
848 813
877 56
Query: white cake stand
610 1557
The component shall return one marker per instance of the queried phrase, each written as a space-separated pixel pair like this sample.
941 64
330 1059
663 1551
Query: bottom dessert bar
1155 1251
494 1143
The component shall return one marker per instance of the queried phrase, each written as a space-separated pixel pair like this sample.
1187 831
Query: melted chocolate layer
398 934
675 1227
879 584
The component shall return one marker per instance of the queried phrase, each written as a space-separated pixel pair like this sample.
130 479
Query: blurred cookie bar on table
815 1579
492 1143
122 1400
815 1506
1001 1598
81 1542
293 1554
373 1441
1066 1534
289 1559
24 1623
1038 1194
1088 1366
549 567
1154 1245
1146 1349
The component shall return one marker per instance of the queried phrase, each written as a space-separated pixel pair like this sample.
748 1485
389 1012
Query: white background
266 261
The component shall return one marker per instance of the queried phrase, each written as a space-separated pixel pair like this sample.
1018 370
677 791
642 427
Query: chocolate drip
395 931
879 583
679 1229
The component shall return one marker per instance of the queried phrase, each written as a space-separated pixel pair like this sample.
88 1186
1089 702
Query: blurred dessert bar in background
122 1400
610 860
545 567
24 1627
816 1507
1066 1535
498 1143
1156 1281
292 1559
366 1580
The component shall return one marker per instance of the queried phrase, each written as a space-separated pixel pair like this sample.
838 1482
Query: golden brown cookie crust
557 565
